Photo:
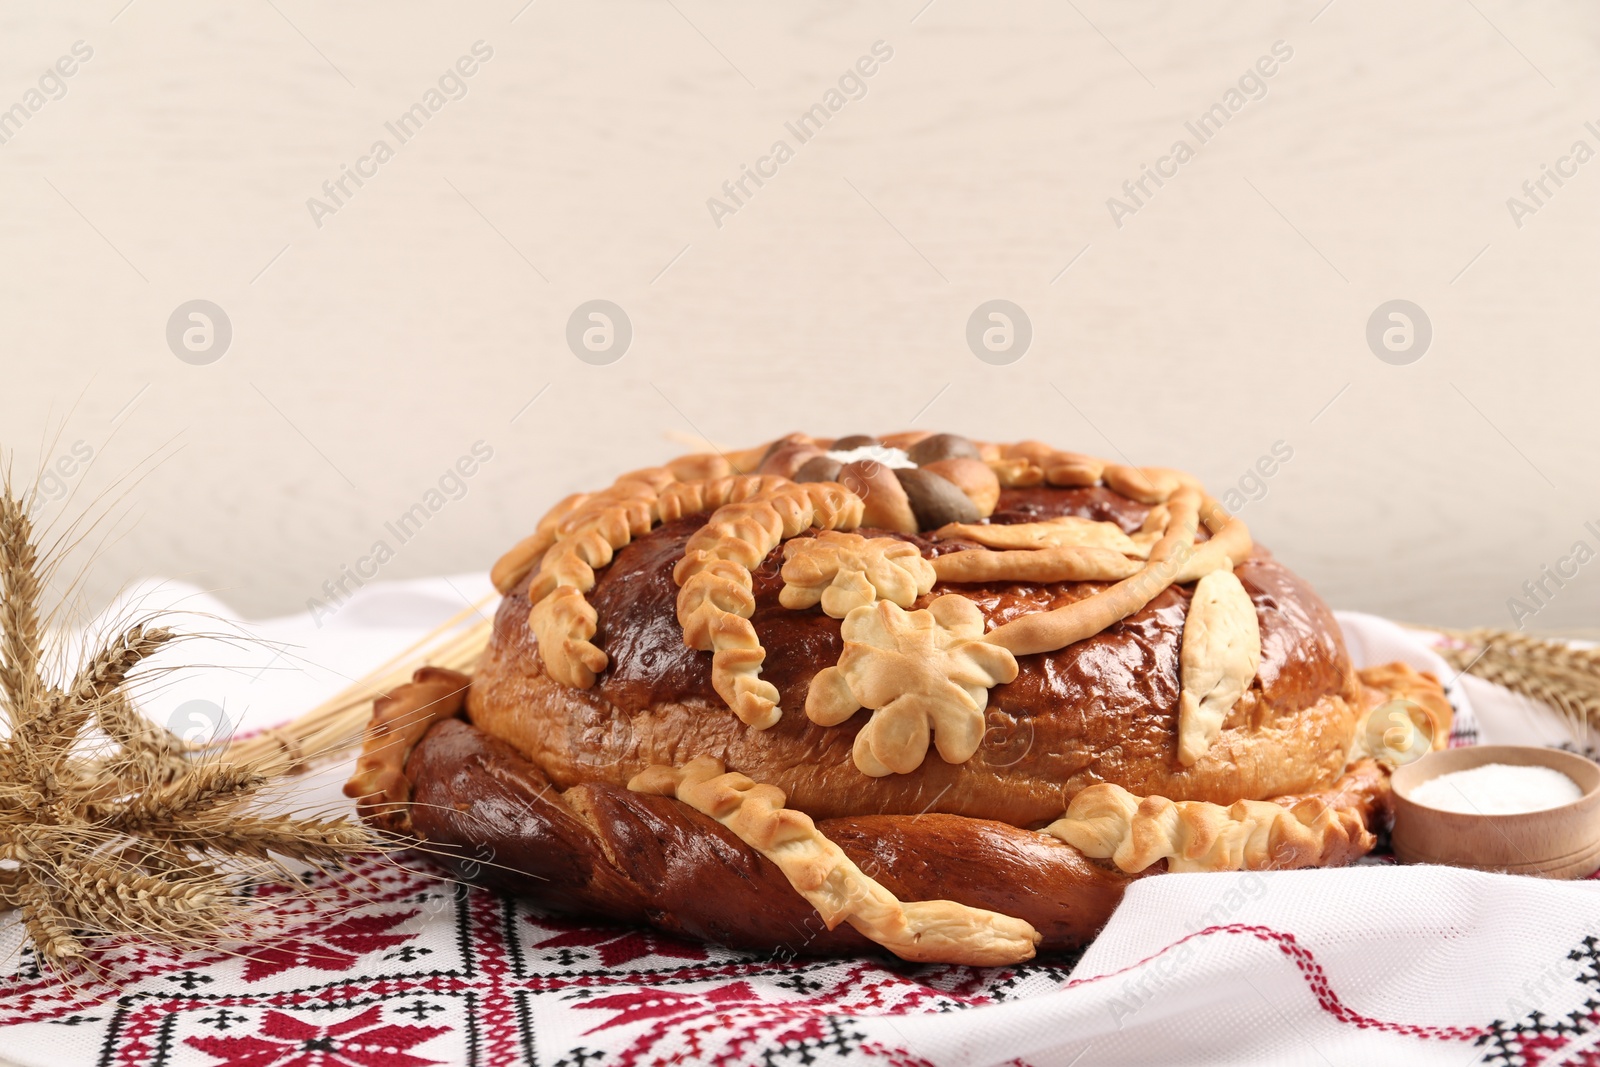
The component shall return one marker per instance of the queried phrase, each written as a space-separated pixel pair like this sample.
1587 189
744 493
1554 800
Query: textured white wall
1227 313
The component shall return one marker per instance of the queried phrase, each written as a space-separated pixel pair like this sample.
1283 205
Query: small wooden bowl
1559 842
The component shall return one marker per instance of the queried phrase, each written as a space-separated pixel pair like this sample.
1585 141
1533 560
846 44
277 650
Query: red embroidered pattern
285 1041
1314 976
392 967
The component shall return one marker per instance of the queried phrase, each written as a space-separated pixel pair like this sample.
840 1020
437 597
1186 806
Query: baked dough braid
583 533
511 568
515 564
701 467
563 624
562 619
1228 547
1063 564
588 538
1174 558
715 595
1148 485
399 720
921 931
1067 531
1029 463
1106 821
690 498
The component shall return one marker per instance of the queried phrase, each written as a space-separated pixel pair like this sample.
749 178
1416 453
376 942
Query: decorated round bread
842 663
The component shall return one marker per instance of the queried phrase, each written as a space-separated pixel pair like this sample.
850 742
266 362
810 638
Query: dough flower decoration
923 673
844 571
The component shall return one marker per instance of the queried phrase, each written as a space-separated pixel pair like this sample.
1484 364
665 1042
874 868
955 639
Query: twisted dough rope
563 620
1065 563
1221 649
1030 463
925 931
1106 821
1047 631
399 719
584 531
716 597
515 564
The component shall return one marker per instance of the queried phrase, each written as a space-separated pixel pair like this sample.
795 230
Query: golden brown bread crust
601 850
1101 710
924 931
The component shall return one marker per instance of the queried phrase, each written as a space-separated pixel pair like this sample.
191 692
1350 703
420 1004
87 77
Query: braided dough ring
927 931
634 857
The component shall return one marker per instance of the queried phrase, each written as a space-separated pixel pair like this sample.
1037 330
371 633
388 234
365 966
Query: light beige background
1228 314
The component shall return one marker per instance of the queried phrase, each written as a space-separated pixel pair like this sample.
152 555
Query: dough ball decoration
908 482
1003 858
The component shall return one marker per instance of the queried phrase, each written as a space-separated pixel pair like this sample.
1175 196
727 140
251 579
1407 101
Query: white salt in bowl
1557 842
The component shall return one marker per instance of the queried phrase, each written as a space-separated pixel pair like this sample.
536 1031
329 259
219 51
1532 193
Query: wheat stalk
19 608
149 838
145 755
309 841
48 927
108 668
1549 670
105 898
187 798
327 730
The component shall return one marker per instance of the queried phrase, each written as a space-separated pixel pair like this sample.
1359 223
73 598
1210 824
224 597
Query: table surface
379 334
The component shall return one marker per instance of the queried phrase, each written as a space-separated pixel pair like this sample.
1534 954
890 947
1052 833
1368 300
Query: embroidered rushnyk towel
392 966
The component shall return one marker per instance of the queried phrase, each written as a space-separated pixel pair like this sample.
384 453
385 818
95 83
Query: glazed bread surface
1104 709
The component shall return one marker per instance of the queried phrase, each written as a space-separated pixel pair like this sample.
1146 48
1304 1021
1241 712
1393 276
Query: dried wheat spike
1550 671
108 669
48 927
114 834
185 800
19 609
307 840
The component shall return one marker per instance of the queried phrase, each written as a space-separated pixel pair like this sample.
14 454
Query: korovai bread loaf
939 696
